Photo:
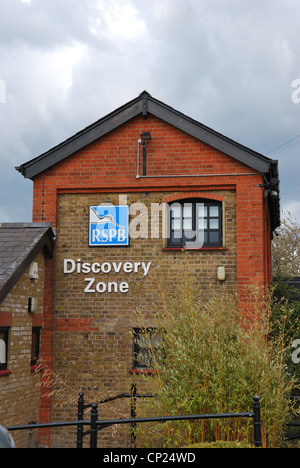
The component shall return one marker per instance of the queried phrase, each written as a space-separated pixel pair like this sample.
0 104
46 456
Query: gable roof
20 243
143 105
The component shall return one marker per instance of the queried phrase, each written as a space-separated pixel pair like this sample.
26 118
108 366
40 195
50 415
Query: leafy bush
220 444
287 299
212 361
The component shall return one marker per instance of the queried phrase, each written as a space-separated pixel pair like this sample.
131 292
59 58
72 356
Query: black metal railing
95 424
293 424
133 395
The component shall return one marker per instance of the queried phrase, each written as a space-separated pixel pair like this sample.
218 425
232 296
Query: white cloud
118 20
2 92
294 208
63 61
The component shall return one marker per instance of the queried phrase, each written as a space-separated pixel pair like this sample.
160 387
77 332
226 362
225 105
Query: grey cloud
228 64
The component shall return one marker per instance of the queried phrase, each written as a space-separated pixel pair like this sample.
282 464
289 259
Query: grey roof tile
19 245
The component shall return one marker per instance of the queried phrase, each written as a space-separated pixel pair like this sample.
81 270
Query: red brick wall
110 163
110 166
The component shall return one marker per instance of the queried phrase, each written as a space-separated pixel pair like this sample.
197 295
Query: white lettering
113 458
86 268
146 268
77 266
296 354
156 208
112 287
96 268
121 235
91 282
117 267
96 234
2 92
72 268
106 268
104 235
124 287
128 267
112 234
296 93
139 224
101 287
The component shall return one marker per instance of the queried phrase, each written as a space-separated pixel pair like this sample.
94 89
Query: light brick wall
19 391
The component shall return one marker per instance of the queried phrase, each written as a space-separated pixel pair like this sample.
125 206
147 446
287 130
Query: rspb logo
109 226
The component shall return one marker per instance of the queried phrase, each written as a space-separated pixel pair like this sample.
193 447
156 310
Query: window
3 348
147 343
195 224
35 346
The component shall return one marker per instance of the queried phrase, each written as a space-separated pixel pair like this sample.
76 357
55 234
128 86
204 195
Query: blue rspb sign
109 226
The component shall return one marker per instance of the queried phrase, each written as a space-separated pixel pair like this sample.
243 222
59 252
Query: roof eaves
43 240
83 138
143 104
208 135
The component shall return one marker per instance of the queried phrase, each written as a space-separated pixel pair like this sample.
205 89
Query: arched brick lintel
198 194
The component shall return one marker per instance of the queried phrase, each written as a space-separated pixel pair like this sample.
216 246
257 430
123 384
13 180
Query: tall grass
212 361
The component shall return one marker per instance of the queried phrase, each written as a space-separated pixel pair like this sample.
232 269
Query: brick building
188 194
24 252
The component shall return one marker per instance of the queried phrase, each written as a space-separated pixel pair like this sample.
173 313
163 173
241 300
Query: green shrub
220 444
213 362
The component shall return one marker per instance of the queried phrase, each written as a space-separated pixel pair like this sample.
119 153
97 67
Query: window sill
166 249
142 371
3 373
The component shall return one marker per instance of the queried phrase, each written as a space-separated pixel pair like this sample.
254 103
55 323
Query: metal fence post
94 428
80 413
257 422
133 415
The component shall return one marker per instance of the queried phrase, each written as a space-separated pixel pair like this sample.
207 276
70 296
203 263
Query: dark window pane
214 211
214 237
213 224
199 226
146 345
3 348
35 346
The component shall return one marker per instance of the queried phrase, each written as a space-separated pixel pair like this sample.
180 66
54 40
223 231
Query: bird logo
107 218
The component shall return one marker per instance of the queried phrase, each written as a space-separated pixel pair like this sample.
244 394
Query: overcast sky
233 65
